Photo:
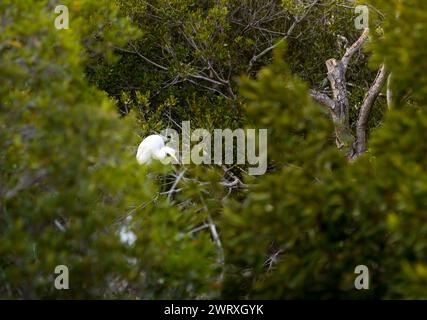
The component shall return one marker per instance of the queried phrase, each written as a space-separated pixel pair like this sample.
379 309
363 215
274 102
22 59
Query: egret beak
173 157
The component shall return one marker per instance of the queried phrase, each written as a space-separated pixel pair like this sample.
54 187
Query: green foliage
302 231
68 177
404 25
217 40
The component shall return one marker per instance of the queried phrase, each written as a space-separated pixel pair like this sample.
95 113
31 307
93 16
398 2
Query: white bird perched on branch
153 147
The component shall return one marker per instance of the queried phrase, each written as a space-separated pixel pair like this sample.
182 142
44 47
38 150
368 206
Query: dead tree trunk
338 105
340 111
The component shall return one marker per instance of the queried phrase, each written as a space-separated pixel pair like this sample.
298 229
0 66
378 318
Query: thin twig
287 35
172 189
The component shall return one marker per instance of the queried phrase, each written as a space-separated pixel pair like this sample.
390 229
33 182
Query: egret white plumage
153 147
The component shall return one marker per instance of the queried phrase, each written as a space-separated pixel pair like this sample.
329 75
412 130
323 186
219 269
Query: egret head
170 152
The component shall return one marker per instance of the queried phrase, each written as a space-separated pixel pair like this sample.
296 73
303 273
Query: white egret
153 147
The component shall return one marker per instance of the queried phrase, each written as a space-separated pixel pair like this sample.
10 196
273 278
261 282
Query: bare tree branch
338 104
146 59
340 113
354 48
365 111
172 189
322 99
198 76
26 181
287 35
217 240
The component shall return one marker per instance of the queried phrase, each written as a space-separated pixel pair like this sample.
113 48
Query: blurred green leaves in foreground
68 173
